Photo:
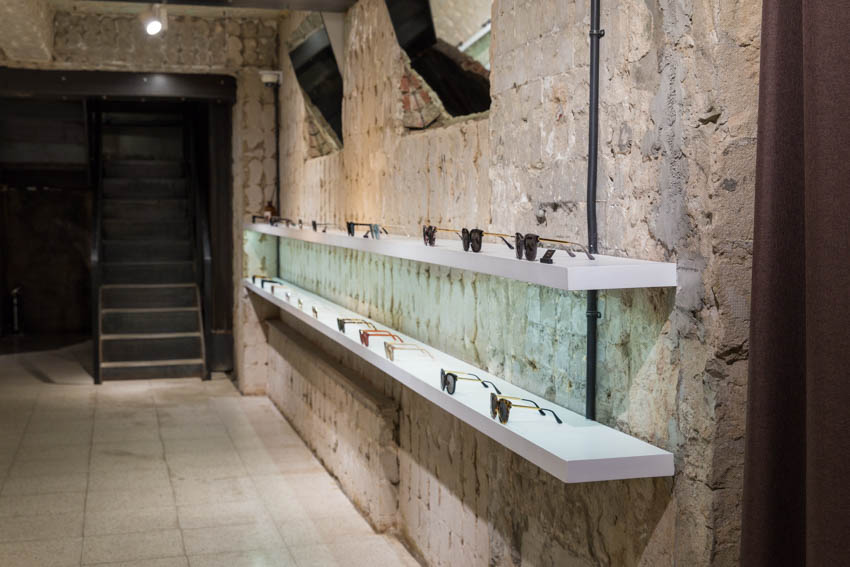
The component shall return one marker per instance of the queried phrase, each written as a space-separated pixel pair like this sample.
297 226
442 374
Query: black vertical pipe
592 153
276 91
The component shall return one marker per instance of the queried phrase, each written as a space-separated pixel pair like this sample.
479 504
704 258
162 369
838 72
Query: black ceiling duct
462 85
318 74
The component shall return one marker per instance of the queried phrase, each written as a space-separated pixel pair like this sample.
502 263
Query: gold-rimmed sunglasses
527 244
391 348
501 406
449 378
341 322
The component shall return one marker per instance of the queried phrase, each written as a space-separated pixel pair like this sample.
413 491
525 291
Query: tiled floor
163 474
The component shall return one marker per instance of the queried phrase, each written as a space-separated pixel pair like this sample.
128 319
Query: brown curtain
796 508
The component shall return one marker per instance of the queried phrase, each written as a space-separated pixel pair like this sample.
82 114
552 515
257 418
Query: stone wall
26 30
455 21
679 86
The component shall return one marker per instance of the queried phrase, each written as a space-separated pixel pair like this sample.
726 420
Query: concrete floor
162 474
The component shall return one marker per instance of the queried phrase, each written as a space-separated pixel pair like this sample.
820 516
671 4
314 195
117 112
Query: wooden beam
306 5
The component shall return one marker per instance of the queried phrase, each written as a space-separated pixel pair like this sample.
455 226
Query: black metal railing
203 248
95 173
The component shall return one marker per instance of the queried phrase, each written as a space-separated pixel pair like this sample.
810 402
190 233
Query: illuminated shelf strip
575 274
579 450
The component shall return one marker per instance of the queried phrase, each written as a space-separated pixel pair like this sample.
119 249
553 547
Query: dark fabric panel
795 509
826 37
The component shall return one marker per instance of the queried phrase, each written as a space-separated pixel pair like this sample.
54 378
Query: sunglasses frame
315 312
527 245
390 348
374 231
429 233
500 406
474 238
324 226
341 322
449 378
366 333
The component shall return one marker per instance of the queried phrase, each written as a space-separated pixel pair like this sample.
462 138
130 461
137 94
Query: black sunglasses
501 406
474 238
449 378
324 226
374 230
529 243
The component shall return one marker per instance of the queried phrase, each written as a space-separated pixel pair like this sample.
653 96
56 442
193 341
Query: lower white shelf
578 450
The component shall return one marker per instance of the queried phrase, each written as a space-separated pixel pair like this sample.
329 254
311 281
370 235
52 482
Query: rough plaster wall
677 140
455 21
348 423
26 30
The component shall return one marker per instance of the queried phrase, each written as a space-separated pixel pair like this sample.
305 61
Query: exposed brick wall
421 106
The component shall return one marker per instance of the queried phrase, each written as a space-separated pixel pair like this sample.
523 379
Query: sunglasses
390 348
315 312
341 322
366 333
429 233
300 304
529 243
374 230
324 226
474 238
501 406
449 378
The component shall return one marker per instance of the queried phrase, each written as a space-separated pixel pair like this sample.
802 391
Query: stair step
149 321
137 230
150 349
147 188
143 336
131 168
118 251
148 273
190 368
148 297
146 210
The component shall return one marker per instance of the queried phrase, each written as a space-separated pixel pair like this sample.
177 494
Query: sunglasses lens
504 410
464 235
518 244
442 379
425 234
475 238
451 382
531 241
341 324
494 405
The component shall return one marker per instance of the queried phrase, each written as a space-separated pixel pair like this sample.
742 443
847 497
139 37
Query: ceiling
210 6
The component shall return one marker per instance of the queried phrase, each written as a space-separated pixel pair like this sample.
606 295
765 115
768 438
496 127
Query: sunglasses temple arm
485 382
536 405
555 415
511 246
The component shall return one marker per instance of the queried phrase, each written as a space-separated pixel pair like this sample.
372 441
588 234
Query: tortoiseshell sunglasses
501 406
390 348
449 378
366 333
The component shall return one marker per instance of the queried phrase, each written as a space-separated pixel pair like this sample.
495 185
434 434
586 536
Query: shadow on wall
482 492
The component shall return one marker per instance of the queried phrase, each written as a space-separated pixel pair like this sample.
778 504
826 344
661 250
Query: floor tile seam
168 471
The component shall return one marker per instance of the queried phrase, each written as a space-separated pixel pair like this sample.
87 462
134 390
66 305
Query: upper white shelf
578 450
574 274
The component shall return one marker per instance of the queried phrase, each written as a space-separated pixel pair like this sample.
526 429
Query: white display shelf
574 274
578 450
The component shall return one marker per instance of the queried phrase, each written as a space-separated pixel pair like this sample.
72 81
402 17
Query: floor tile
210 491
130 547
48 467
317 556
159 562
150 479
256 558
129 500
44 553
128 520
220 539
42 504
50 526
45 484
222 514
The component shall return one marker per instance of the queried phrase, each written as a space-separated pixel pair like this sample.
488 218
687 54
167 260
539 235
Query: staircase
149 305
